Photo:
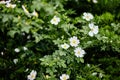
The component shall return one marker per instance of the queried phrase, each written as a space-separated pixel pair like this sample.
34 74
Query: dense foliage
56 39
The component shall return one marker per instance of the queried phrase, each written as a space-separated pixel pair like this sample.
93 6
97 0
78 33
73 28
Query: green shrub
49 39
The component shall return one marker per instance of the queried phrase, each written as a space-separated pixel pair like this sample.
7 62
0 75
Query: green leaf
5 19
82 60
12 33
38 38
20 70
26 28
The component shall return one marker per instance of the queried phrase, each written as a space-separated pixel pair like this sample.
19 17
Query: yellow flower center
78 52
74 41
32 76
64 78
54 19
87 17
47 76
92 29
65 46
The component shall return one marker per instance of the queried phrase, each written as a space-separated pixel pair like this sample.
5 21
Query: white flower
26 69
87 16
2 53
32 75
19 1
55 20
100 75
25 48
34 13
9 5
47 76
4 2
28 37
65 46
23 33
17 50
93 29
95 1
15 60
94 73
79 52
8 1
64 77
26 11
74 41
88 65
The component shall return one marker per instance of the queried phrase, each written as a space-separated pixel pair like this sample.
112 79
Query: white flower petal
100 75
2 2
17 50
55 20
8 1
91 33
84 13
64 77
2 53
94 73
9 5
25 48
88 65
26 11
95 1
95 30
91 25
5 2
15 60
34 13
